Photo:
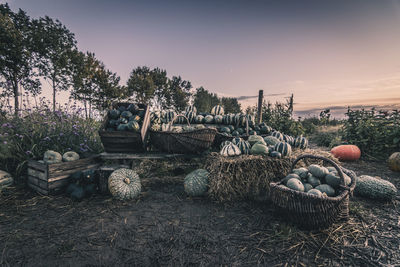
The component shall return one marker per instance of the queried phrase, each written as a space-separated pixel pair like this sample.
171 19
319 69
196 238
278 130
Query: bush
376 133
29 136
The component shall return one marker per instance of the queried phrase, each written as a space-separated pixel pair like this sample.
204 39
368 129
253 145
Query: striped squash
209 119
244 146
218 119
277 135
191 108
217 110
284 148
169 116
199 119
228 119
301 142
124 184
224 143
288 139
196 183
191 116
236 140
230 150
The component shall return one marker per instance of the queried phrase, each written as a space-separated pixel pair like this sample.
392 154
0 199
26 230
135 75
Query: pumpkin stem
127 181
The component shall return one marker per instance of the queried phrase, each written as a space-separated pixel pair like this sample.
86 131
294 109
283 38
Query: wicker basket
219 137
193 142
311 211
125 141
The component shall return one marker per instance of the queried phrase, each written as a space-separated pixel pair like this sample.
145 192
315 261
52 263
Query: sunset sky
327 53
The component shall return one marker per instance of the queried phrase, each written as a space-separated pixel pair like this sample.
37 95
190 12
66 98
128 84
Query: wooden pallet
51 179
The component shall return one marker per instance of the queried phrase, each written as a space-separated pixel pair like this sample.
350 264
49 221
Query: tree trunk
54 96
16 95
85 105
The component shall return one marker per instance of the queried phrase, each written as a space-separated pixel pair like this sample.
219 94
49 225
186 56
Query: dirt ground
167 228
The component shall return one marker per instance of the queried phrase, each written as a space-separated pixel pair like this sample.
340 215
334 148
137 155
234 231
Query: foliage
230 104
204 101
325 138
16 57
29 136
376 133
54 44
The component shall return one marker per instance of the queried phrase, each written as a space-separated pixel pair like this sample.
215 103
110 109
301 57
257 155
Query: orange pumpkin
346 152
394 162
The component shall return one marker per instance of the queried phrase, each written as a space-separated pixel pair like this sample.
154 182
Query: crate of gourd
316 196
51 175
124 128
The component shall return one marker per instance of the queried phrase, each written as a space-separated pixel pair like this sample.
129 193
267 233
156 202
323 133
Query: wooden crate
125 141
51 179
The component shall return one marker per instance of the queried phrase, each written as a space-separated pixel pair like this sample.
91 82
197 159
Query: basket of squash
314 197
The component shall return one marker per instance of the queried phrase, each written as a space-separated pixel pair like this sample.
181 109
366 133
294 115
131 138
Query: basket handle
339 169
180 115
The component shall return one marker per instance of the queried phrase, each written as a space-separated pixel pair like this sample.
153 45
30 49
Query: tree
231 105
54 45
177 93
204 101
16 57
141 85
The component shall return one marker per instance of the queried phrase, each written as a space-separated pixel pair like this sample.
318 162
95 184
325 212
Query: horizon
328 55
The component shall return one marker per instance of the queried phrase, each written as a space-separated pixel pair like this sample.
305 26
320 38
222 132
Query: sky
327 53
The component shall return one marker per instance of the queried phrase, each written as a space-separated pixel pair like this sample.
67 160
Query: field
165 227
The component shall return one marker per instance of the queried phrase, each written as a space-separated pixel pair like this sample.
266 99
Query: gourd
334 180
235 133
51 157
70 156
277 135
284 148
133 126
295 184
199 119
331 169
318 171
236 140
208 119
394 162
122 127
124 184
199 126
126 114
327 189
217 110
133 108
372 187
114 114
5 179
307 187
191 108
265 129
271 141
169 116
231 127
230 150
254 139
121 109
346 152
290 176
224 143
155 127
301 142
315 192
288 139
262 142
225 129
244 147
259 149
187 128
314 181
302 172
196 183
190 115
228 119
275 154
218 119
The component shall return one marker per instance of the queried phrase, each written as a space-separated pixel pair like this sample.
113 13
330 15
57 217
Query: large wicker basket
192 142
125 141
311 211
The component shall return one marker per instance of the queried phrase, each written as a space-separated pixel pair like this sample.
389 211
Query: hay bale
249 176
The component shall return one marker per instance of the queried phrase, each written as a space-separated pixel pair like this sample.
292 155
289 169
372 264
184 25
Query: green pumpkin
218 119
122 127
301 142
196 183
290 176
190 115
265 129
277 135
169 116
51 157
124 184
318 171
314 181
199 119
224 143
254 139
133 126
259 149
307 187
209 119
240 131
126 114
114 114
230 150
225 130
315 192
271 141
191 108
275 154
217 110
244 146
302 172
295 184
334 180
375 188
284 148
327 189
70 156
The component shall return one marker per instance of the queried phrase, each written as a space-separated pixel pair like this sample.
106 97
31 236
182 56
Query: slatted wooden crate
51 179
125 141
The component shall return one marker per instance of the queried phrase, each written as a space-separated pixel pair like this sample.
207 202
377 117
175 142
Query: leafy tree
177 93
204 100
16 57
54 45
141 85
231 105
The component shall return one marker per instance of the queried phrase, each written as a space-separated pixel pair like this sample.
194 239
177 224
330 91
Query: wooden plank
58 184
37 165
260 102
38 174
33 180
151 155
65 166
38 189
57 173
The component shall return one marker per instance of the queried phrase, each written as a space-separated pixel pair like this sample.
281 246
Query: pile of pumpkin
275 145
83 184
51 157
125 118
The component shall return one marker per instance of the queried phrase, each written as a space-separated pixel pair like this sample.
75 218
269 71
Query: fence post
260 101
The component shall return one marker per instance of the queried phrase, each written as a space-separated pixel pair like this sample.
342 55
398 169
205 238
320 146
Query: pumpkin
301 142
5 179
217 110
265 129
209 119
295 184
307 187
191 108
290 176
133 126
230 150
271 141
315 192
327 189
224 143
155 127
254 139
133 108
314 181
228 119
70 156
224 129
199 126
114 114
127 114
346 152
124 184
199 119
196 183
259 149
51 157
375 188
190 115
277 135
318 171
302 172
284 148
275 154
334 180
244 146
169 116
394 162
236 140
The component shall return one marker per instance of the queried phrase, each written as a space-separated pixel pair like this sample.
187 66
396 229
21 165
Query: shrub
36 131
